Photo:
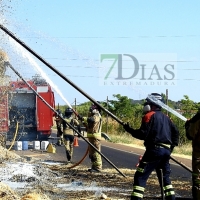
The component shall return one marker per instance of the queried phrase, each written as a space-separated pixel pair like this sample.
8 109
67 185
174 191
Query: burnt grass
60 181
112 184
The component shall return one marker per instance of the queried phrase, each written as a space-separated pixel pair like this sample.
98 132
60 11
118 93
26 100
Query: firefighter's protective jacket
67 130
156 128
193 133
192 127
93 125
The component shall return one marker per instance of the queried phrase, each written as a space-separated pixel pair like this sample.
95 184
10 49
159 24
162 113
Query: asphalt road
121 156
115 156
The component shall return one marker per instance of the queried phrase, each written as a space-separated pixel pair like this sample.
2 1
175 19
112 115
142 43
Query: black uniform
160 136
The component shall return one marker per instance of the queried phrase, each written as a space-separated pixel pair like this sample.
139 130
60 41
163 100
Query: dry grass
34 196
6 193
185 149
46 189
127 139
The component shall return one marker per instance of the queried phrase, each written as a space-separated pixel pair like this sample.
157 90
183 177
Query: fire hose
15 135
71 126
67 80
78 163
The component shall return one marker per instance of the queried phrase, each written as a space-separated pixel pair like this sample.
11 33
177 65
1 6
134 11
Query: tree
187 106
129 110
83 108
122 107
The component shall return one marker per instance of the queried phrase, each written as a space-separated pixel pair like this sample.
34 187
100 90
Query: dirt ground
27 178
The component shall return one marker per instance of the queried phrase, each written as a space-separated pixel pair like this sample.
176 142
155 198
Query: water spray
82 92
39 69
59 73
71 126
77 88
166 107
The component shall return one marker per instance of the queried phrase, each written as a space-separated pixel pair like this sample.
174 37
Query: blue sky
72 35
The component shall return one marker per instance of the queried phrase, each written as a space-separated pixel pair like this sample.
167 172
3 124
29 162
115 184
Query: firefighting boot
68 156
59 142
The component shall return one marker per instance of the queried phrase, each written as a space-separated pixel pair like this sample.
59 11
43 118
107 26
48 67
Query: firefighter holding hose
192 128
93 124
160 137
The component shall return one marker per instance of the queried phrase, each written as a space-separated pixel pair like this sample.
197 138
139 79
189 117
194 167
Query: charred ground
57 181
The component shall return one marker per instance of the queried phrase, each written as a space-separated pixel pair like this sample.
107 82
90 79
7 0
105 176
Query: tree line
129 110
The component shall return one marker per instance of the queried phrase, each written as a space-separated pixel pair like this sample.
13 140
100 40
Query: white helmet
153 99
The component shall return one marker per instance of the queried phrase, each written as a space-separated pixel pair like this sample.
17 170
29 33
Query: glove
57 119
80 117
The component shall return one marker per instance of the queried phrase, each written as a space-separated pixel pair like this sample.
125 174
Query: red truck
23 113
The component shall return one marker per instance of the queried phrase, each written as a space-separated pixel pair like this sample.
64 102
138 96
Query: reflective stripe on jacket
67 130
93 124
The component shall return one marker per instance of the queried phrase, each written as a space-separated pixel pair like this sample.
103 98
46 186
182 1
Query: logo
138 69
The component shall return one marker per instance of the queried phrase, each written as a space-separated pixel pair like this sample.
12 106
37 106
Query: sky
131 48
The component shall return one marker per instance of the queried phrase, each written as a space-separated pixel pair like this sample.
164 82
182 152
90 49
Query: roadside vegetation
129 110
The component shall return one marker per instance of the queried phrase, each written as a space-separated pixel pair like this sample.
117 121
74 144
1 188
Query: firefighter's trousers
154 158
60 140
59 132
69 144
94 156
196 175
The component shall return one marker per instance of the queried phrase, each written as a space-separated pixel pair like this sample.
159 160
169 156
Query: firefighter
160 136
59 127
192 127
68 132
93 124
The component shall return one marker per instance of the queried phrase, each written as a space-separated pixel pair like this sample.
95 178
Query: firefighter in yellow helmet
192 127
68 132
93 124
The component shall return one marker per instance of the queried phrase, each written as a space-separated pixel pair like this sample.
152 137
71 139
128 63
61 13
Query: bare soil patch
42 180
